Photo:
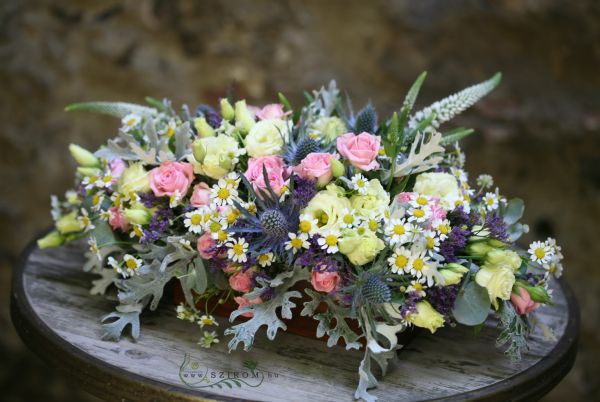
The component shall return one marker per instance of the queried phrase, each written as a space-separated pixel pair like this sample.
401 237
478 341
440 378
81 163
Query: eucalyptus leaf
513 211
472 305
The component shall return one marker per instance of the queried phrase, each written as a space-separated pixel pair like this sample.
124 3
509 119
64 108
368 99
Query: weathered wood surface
59 320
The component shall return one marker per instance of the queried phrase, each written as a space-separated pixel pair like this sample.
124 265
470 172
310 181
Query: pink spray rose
272 111
240 282
404 197
316 166
522 302
243 302
277 174
205 246
117 220
171 177
200 195
324 281
361 150
437 211
117 166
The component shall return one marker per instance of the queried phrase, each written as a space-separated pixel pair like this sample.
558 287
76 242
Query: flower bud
72 197
427 317
198 151
139 216
243 117
496 243
538 293
227 110
337 167
454 267
451 277
204 129
89 171
83 157
52 239
479 249
68 223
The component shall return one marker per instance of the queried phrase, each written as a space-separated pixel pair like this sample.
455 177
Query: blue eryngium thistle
294 152
375 290
272 222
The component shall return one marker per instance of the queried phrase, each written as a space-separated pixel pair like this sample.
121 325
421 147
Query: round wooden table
58 319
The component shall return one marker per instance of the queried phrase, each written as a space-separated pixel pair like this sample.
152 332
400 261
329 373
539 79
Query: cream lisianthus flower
426 317
375 198
360 246
267 137
215 157
328 128
503 259
327 207
134 179
498 281
441 185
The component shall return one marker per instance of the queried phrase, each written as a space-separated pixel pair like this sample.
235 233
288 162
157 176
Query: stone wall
538 134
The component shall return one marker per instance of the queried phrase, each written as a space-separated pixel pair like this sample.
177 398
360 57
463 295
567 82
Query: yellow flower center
373 225
540 253
131 121
399 230
107 179
401 261
417 286
223 193
430 242
196 219
296 242
138 231
170 131
361 231
443 229
418 264
131 263
305 226
238 249
263 258
419 213
421 201
324 219
93 179
231 182
490 201
360 183
348 219
222 235
331 240
232 216
215 227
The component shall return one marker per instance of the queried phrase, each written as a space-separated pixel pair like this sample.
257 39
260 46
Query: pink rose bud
405 197
316 166
361 150
437 211
117 167
171 177
272 111
522 302
240 282
243 302
117 220
206 246
200 195
324 281
277 174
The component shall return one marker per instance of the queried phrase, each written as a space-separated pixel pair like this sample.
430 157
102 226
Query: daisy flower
84 220
399 260
232 180
347 218
89 182
131 263
360 183
222 194
417 264
105 182
485 181
398 231
432 242
94 247
169 129
297 242
137 231
97 201
491 201
237 250
130 122
208 338
418 214
207 320
185 313
222 236
105 215
420 201
417 287
175 199
308 224
193 221
329 241
265 260
540 252
215 226
442 227
460 174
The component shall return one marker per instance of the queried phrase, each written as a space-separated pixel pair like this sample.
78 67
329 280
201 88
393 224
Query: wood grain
59 320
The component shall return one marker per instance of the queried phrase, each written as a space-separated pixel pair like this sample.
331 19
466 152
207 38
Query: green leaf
456 135
514 211
116 109
103 233
472 305
155 103
409 100
286 104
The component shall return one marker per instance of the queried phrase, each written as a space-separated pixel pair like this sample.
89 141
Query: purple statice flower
442 299
456 241
149 200
304 191
212 118
410 304
160 222
496 226
318 260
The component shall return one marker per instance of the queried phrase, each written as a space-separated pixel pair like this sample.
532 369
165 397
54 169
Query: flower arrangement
376 217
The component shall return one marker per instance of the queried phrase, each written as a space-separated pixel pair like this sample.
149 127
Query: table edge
99 375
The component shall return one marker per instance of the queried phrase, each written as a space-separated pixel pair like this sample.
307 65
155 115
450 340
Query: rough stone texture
537 134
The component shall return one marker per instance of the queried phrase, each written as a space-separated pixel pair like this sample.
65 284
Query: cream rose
441 185
497 281
134 179
215 156
427 317
375 199
360 248
267 137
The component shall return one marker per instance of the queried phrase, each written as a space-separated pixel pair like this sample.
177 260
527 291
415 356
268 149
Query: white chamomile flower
284 192
130 122
250 207
297 242
237 250
97 201
399 260
442 227
222 236
221 194
485 181
491 201
94 247
329 241
136 231
105 215
90 182
169 129
84 220
208 338
373 223
207 320
215 226
175 199
232 180
420 201
193 221
416 287
432 242
348 218
360 183
265 260
540 252
131 264
417 264
185 313
398 231
418 214
308 224
105 181
186 244
460 175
